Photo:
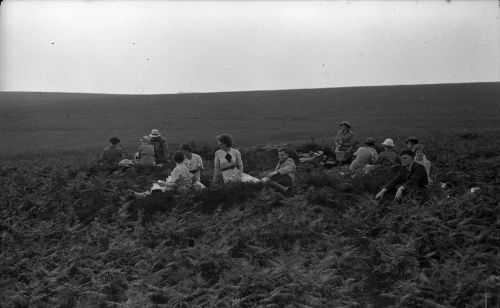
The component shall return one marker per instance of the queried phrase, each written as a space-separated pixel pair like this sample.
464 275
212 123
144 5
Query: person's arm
287 167
381 193
374 156
381 159
174 176
418 175
166 153
216 168
239 162
349 142
397 180
200 164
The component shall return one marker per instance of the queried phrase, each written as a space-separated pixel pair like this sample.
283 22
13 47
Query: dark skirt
282 179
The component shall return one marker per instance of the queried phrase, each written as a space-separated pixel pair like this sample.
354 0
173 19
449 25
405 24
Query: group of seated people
153 150
411 180
228 166
413 177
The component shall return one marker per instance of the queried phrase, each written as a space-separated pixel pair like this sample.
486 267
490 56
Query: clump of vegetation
66 243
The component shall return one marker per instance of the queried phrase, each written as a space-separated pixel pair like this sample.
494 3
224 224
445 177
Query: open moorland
57 123
68 241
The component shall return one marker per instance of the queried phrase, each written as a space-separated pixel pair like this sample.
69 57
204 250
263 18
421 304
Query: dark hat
346 123
186 147
370 141
411 139
114 140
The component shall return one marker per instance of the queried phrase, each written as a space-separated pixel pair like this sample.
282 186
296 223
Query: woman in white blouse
228 162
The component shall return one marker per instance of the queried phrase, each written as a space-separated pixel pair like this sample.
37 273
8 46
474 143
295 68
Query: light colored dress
343 145
193 164
145 155
364 156
230 164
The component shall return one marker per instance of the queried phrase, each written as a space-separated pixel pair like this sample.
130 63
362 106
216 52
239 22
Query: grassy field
69 240
57 123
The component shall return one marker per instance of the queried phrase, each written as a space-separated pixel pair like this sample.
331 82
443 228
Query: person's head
407 157
154 133
282 154
411 142
145 139
287 151
224 141
114 140
345 126
370 142
186 150
419 152
178 157
388 143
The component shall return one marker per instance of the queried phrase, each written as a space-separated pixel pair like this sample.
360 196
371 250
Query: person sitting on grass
388 157
112 154
145 155
411 142
411 181
160 145
365 155
283 175
180 179
194 163
422 159
228 161
344 143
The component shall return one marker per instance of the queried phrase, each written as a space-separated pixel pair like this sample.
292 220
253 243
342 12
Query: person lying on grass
228 162
194 163
411 180
283 175
180 179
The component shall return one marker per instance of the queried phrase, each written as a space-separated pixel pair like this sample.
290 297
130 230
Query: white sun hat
388 143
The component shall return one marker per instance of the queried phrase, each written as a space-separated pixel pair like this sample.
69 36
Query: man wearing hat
411 142
365 155
388 157
160 145
112 154
344 143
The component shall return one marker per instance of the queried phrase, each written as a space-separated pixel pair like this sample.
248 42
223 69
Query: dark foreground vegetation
67 242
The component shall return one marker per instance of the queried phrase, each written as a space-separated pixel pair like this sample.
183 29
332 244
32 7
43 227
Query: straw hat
154 133
346 123
388 143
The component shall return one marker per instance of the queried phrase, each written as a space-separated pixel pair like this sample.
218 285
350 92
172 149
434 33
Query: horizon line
249 91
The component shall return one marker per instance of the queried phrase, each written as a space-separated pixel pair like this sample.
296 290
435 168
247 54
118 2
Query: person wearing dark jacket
112 154
160 145
411 180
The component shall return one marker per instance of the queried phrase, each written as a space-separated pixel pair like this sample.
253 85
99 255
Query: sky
159 47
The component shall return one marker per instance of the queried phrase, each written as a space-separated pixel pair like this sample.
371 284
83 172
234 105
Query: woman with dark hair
228 162
194 163
422 159
283 175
